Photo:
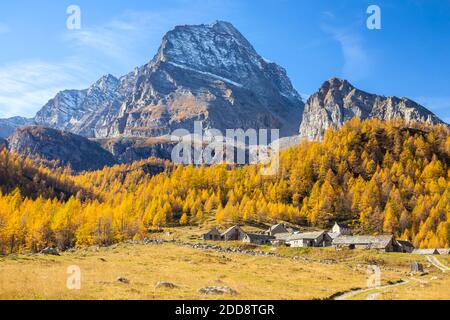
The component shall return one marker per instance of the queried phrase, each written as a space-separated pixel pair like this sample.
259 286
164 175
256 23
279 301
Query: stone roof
253 236
213 231
275 226
405 243
231 229
306 236
280 225
374 242
425 251
334 235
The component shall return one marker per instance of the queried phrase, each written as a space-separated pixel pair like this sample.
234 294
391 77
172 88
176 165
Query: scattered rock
150 241
50 251
164 284
328 261
123 280
218 290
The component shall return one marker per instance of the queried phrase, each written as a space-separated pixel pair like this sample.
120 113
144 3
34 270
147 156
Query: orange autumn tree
384 177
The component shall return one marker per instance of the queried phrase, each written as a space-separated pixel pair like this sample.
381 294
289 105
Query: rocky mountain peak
219 50
334 85
338 101
107 83
204 46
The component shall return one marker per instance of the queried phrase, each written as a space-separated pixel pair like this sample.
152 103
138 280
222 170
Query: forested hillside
33 180
384 177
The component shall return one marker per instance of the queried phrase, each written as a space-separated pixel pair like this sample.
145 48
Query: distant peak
207 47
108 81
107 78
224 26
221 23
335 83
205 32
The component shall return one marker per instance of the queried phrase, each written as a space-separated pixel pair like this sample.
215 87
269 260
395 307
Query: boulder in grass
218 291
166 285
123 280
50 251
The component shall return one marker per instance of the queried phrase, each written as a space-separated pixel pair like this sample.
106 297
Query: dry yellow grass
44 277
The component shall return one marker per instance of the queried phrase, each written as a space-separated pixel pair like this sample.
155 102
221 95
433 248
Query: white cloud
115 47
28 85
357 63
134 34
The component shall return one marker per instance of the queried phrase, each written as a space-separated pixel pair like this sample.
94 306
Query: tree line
382 177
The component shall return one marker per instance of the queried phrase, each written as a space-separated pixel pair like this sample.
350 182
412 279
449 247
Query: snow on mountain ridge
198 73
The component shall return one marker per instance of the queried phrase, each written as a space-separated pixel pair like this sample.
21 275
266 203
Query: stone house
341 229
281 238
260 239
213 235
405 246
384 243
309 239
234 233
277 229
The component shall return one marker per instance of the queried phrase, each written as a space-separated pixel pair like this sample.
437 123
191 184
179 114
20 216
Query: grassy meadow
316 273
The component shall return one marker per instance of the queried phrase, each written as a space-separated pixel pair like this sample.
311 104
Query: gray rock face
209 73
50 145
127 150
8 126
85 112
337 101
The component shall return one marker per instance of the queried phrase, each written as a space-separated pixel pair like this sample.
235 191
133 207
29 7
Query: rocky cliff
337 101
209 73
54 147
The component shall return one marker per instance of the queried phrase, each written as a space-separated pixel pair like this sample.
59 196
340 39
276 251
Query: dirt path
434 261
371 296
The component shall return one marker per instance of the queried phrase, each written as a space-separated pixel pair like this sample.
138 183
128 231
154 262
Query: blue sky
314 40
